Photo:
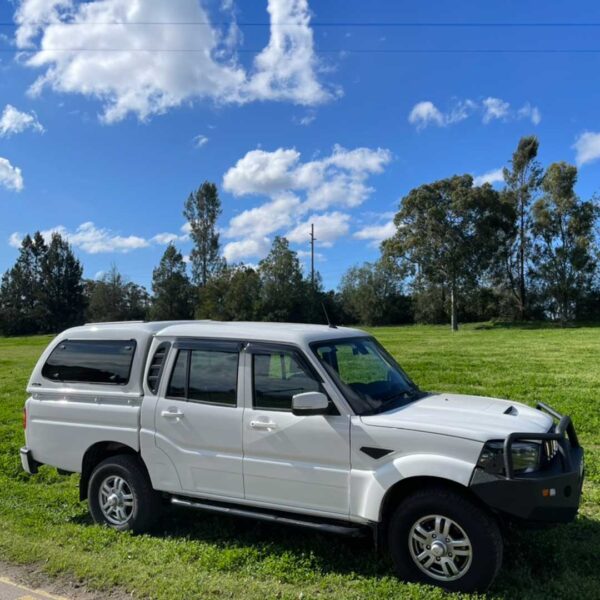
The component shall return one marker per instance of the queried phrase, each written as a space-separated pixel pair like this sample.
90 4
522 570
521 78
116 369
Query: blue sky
297 114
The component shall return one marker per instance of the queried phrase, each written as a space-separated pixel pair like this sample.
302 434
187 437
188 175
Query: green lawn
192 555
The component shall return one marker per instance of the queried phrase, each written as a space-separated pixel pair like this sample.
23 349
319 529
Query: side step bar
273 517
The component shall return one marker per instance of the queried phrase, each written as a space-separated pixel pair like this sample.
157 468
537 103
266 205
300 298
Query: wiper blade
403 394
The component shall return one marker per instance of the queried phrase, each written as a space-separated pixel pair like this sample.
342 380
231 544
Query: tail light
24 417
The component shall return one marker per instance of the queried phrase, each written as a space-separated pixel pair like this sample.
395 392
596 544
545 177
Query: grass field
192 555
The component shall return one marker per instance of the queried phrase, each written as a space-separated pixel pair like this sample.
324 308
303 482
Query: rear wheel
120 495
440 537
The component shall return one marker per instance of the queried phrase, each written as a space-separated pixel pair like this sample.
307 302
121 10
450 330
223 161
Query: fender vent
375 453
156 366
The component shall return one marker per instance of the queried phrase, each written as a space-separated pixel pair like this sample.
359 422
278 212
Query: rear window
91 361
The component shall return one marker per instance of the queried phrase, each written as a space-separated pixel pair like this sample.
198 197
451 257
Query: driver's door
291 461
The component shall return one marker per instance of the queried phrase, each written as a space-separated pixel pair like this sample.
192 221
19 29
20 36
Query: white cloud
199 141
461 110
10 176
306 119
15 239
359 160
31 14
98 240
262 220
527 111
587 147
285 69
304 254
495 108
250 247
261 172
293 189
376 233
91 239
491 177
341 190
335 179
165 239
151 69
426 113
186 228
14 121
328 228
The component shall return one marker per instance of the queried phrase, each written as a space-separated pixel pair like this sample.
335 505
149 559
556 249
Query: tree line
528 251
460 252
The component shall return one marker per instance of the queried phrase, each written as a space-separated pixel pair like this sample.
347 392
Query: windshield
369 377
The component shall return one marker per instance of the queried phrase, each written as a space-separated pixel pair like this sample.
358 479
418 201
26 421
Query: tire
122 481
445 559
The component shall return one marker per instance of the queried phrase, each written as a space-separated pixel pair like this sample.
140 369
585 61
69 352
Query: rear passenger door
300 462
199 418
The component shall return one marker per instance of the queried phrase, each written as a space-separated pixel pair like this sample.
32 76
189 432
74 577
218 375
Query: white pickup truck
299 424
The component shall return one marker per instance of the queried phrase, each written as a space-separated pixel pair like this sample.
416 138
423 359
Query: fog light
548 492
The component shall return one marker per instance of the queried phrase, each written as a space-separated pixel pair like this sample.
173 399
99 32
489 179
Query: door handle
172 414
263 425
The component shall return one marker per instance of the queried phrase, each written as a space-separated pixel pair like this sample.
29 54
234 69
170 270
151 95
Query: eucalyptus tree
202 210
113 298
372 293
232 295
282 296
563 226
63 288
448 233
173 293
523 180
43 291
21 291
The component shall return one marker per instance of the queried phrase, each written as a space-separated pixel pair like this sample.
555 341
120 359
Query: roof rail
113 322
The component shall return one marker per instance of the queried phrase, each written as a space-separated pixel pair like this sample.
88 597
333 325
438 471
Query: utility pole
312 255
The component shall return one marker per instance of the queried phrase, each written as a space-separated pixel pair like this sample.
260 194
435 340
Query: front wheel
120 495
440 537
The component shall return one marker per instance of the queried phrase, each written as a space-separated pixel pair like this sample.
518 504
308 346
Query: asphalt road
10 590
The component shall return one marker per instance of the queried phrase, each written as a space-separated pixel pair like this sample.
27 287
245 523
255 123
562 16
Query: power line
332 24
357 51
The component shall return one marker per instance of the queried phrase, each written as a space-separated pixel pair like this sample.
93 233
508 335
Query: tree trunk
453 309
522 291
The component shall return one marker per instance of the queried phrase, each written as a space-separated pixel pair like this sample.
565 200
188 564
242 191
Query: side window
278 375
178 381
213 377
91 361
205 376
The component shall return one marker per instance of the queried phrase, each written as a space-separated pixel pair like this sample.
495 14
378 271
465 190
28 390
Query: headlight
525 457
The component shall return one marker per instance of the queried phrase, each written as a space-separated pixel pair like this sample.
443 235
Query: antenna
329 322
312 254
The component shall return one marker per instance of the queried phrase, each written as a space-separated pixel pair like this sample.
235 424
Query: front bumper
27 461
551 495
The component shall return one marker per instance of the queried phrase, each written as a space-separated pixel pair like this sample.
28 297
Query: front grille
550 449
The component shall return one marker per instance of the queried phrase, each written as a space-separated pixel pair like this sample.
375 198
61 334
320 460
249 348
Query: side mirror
309 403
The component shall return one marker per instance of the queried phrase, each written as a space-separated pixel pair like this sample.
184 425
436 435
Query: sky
301 111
